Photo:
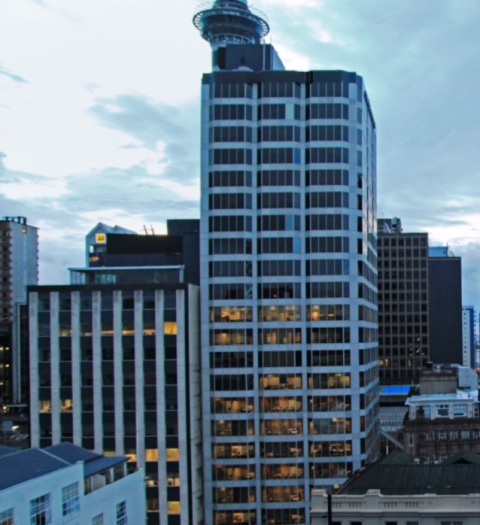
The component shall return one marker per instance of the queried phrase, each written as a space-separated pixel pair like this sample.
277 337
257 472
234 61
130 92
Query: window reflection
280 404
173 507
330 470
233 472
280 494
328 312
337 380
335 425
282 449
279 313
275 382
222 405
281 427
173 479
282 472
234 518
281 516
227 314
329 403
232 428
173 454
330 448
231 337
45 406
234 495
151 454
279 336
66 405
233 451
170 328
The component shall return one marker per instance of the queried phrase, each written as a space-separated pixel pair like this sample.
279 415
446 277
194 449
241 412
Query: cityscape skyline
137 120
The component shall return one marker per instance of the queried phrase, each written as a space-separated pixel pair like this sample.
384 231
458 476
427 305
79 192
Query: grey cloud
2 163
151 123
62 219
12 76
133 189
139 117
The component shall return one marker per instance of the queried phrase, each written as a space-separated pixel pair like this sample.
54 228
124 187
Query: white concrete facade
135 383
288 267
82 508
373 508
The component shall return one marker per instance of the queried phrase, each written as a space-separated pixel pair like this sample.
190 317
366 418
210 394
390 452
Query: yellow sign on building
100 238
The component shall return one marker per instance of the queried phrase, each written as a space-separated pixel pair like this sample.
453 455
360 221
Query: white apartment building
66 484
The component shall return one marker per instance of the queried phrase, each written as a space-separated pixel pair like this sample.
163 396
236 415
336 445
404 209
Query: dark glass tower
288 281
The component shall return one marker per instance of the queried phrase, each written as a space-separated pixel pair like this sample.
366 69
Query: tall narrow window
122 513
41 510
70 499
6 517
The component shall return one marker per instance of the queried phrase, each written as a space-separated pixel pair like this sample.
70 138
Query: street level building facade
288 277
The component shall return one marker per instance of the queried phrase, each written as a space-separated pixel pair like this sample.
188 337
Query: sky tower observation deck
230 22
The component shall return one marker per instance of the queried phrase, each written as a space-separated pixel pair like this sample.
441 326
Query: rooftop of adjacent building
400 474
440 252
393 225
18 221
19 466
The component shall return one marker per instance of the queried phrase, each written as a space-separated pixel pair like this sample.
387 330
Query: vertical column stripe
160 393
33 369
139 380
55 367
118 372
97 372
76 372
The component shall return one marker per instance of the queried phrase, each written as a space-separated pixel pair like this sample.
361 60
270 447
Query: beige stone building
398 491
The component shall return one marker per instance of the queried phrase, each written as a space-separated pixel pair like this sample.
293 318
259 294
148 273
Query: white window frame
41 510
70 499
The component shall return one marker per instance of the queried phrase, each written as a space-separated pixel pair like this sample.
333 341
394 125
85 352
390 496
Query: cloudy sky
99 111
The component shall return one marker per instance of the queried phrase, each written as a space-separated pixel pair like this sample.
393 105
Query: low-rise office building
114 362
68 484
444 418
115 369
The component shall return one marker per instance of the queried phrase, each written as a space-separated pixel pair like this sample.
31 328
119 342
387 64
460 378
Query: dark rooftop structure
24 465
398 474
117 248
19 466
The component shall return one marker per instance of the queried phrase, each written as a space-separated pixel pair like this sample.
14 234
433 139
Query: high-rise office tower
19 268
403 319
445 305
288 276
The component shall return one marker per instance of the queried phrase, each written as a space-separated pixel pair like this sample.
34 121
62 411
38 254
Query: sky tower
230 22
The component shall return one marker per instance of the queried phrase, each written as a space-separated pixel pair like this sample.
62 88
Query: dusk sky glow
100 112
